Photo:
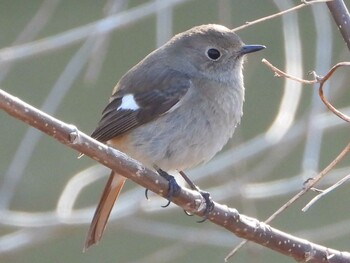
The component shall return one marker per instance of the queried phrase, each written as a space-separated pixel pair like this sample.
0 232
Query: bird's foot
173 188
209 204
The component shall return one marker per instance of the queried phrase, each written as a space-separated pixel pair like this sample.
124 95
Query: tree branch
229 218
341 17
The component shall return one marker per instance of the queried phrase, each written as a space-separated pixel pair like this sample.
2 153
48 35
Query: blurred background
65 57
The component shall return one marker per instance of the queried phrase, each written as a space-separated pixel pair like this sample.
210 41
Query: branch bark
229 218
341 17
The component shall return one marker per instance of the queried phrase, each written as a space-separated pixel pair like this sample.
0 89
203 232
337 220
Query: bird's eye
213 54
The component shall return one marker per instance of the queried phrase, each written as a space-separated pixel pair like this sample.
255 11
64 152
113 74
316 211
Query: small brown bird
175 109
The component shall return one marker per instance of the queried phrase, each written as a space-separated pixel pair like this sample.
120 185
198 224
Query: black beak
251 48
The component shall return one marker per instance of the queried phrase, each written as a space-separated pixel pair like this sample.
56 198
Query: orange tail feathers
109 195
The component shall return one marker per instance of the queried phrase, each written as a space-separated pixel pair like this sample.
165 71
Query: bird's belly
175 142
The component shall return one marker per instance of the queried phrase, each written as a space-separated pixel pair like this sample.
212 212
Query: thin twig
325 101
304 3
317 79
324 192
311 182
279 73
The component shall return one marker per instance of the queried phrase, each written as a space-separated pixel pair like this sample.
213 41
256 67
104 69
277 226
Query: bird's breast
191 134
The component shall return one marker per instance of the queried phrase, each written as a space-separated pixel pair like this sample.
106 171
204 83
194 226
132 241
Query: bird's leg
173 188
209 204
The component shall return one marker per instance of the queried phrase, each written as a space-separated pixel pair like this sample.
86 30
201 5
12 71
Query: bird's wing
129 108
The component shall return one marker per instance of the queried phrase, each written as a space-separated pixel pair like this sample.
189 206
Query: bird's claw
209 205
146 194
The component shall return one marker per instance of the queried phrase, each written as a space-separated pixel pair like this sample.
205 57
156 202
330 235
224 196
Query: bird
175 109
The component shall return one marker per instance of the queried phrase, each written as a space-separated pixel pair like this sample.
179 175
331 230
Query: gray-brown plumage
176 108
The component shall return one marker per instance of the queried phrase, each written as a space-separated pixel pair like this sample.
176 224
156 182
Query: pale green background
52 164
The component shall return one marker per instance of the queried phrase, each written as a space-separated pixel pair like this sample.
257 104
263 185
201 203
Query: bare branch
229 218
318 79
341 17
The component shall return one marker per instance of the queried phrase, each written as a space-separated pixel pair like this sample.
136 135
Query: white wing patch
128 103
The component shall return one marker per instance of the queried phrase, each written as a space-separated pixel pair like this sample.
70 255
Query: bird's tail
109 195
